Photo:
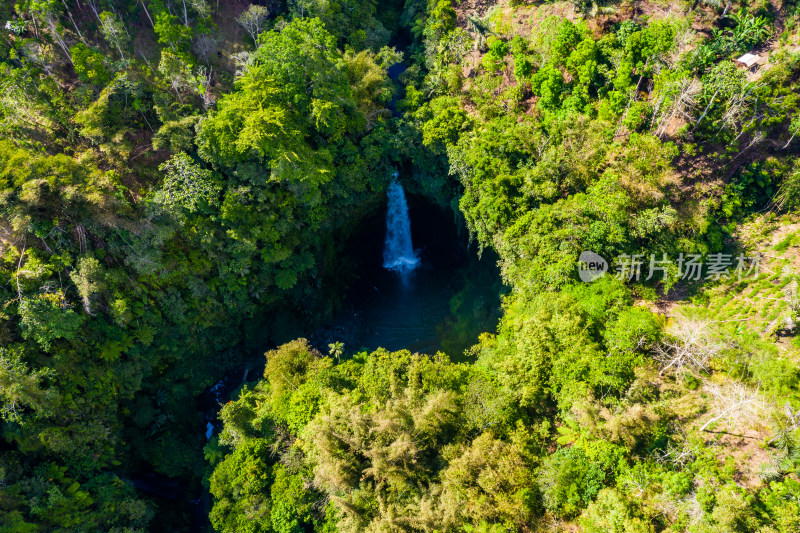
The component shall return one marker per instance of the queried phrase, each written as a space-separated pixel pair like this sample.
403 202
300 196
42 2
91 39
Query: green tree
22 389
113 29
90 65
187 185
254 20
569 481
47 317
612 513
172 33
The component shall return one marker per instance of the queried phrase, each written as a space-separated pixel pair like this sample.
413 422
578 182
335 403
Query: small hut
748 61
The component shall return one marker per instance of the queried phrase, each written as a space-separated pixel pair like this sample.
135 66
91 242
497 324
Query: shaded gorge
444 303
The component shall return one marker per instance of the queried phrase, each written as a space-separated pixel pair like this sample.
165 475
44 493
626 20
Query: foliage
187 185
176 188
90 65
370 432
20 388
569 481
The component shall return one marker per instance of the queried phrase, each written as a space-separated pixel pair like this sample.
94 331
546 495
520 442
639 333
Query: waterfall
398 253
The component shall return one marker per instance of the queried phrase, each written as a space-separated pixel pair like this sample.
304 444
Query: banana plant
749 30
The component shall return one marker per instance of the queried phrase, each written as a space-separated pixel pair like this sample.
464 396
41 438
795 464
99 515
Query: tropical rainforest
181 181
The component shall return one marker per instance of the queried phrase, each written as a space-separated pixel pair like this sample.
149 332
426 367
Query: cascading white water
398 253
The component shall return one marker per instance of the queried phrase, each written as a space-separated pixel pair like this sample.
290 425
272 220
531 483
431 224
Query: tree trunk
59 40
699 120
147 13
69 14
785 146
185 15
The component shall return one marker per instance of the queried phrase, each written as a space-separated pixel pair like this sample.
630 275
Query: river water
421 309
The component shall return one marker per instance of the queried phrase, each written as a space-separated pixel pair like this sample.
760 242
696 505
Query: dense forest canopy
179 180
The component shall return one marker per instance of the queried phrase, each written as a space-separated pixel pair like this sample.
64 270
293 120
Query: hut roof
748 60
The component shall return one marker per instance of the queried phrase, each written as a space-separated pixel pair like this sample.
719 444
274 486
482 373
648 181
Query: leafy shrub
493 61
569 481
90 65
612 513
